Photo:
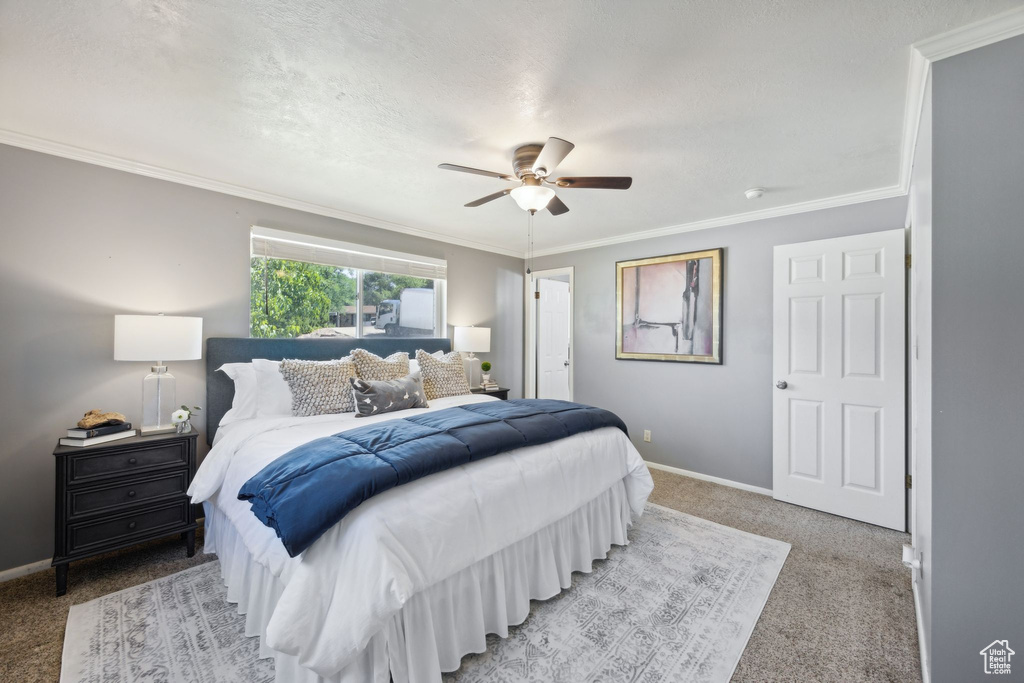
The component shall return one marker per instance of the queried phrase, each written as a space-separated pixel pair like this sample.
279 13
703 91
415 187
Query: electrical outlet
647 435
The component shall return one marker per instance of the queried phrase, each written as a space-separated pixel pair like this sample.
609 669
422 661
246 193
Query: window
304 286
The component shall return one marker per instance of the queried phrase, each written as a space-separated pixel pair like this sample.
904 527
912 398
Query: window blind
278 244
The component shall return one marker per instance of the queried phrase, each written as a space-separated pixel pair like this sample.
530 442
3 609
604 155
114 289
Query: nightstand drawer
85 467
125 527
83 501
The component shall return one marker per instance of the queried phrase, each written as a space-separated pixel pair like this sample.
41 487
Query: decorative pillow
373 398
442 376
243 405
319 387
373 368
274 397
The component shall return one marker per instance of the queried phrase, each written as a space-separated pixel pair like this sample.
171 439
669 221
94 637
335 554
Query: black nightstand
121 493
500 392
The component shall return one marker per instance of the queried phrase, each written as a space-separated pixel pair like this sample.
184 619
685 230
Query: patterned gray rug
678 604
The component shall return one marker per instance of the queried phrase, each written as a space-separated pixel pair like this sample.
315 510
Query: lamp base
146 430
471 365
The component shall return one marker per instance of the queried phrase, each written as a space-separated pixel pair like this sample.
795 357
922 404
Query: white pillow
243 405
274 397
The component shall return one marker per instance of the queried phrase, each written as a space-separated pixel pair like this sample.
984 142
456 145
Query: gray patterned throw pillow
387 396
373 368
442 376
319 387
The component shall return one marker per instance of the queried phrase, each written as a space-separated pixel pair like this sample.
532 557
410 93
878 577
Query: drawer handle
131 525
131 494
132 461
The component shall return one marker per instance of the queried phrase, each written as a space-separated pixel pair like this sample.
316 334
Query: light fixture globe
531 195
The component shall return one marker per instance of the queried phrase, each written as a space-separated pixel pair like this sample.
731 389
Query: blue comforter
311 488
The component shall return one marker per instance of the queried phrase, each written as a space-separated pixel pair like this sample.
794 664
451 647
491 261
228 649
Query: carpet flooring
842 609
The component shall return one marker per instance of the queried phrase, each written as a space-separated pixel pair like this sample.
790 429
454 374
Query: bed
414 578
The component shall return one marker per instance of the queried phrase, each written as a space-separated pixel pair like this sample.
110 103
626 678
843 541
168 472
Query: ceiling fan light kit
532 196
533 164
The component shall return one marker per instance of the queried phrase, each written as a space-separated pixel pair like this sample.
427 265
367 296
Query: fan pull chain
529 243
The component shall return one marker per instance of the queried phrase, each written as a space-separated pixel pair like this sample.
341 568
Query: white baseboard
24 570
926 674
708 477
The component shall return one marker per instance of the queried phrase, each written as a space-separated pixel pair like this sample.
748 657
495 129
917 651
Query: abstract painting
670 308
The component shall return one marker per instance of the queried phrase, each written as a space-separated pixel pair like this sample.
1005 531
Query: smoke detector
754 193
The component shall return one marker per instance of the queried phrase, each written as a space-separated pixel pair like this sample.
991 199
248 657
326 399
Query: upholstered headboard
220 390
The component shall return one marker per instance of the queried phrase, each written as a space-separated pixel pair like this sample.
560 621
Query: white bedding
343 589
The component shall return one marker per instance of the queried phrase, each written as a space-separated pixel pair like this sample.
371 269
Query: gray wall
919 359
978 373
711 419
81 243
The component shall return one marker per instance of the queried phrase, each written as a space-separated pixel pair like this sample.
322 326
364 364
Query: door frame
530 307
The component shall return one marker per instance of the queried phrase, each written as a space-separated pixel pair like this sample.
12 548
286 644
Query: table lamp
157 338
471 340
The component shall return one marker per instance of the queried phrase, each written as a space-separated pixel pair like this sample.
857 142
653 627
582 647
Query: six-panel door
839 381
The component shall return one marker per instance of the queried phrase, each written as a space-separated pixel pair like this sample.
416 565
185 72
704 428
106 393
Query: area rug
679 603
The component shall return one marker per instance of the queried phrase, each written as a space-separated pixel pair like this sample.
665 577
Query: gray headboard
220 390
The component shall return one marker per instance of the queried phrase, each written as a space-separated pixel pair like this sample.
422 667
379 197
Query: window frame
359 254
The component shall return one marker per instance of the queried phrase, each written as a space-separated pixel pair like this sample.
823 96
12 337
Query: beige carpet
841 610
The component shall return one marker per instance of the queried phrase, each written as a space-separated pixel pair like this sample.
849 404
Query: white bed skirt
448 620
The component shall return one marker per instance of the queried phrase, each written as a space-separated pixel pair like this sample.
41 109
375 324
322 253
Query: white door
838 407
553 339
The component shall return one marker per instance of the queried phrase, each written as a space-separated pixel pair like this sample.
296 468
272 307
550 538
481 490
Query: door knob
781 384
566 363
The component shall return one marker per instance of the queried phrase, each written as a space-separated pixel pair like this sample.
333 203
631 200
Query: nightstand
121 493
500 392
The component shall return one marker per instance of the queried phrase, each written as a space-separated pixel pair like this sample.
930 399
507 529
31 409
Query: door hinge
536 295
908 260
910 481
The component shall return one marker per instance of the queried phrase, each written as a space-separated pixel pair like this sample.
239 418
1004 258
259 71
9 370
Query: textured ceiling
351 105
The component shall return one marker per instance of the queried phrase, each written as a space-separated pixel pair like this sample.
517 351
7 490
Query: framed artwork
670 308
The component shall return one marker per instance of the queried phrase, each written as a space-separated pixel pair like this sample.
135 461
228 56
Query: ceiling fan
532 166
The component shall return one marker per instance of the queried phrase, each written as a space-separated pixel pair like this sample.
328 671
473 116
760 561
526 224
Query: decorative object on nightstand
497 392
470 340
122 493
182 418
157 338
97 427
486 382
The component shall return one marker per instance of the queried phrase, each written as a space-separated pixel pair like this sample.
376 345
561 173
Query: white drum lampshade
470 340
157 338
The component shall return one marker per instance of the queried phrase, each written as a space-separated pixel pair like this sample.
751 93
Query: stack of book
489 385
91 437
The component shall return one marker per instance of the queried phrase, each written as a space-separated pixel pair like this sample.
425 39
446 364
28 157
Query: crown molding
60 149
735 219
972 36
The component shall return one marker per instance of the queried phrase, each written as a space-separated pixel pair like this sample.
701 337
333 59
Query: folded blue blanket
311 488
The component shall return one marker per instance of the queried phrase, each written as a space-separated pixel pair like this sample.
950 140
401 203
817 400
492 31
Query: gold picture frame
669 308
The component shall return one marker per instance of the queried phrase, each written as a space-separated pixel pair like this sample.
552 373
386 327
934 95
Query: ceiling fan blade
551 155
557 207
489 198
606 183
477 171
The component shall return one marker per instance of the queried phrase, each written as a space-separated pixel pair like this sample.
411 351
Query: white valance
279 244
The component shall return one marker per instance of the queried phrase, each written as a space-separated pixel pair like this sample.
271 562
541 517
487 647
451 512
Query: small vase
485 378
184 427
